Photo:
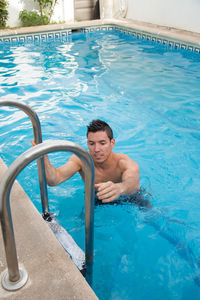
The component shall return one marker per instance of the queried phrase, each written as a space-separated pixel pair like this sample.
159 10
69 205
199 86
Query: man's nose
96 148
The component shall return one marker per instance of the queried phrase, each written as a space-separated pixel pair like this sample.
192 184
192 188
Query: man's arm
56 176
109 191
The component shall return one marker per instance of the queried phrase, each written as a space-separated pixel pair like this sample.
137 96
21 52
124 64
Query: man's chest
111 174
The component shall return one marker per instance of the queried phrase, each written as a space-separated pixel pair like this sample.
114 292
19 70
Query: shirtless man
115 173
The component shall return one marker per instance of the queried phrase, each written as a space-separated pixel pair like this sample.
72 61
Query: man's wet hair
99 125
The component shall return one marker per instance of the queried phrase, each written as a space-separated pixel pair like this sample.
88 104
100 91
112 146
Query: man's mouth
98 156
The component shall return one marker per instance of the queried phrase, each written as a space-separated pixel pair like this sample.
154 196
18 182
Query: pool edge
52 275
162 32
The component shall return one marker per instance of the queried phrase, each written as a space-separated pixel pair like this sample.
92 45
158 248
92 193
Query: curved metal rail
13 274
38 139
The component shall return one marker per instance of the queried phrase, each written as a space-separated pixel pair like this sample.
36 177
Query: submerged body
141 198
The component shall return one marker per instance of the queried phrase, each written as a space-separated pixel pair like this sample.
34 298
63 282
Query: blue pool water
150 95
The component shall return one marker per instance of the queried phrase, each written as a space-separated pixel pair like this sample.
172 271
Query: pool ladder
14 277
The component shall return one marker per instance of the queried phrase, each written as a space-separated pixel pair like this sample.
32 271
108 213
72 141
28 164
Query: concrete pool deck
52 275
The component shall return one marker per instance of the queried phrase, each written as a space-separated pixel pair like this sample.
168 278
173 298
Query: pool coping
167 35
52 274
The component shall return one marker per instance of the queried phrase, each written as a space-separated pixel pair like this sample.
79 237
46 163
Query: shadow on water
156 217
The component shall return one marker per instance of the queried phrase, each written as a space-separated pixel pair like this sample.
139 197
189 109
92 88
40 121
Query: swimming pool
149 94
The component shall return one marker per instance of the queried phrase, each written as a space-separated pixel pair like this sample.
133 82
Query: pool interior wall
52 275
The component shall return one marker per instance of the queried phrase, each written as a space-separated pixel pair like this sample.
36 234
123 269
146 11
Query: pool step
73 250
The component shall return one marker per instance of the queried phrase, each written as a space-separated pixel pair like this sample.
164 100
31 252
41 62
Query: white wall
64 10
182 14
112 8
14 7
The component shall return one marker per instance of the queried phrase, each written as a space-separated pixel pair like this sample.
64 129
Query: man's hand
33 143
108 191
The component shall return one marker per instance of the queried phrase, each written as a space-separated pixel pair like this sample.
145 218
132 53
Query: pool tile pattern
148 36
37 37
63 35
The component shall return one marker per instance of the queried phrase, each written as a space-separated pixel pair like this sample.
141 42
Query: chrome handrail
6 183
38 139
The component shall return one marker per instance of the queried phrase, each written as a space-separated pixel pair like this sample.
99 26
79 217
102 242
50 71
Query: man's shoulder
121 156
125 161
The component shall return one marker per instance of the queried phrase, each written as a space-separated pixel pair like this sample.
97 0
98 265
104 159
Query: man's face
100 146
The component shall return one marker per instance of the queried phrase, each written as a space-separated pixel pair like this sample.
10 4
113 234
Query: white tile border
36 37
62 35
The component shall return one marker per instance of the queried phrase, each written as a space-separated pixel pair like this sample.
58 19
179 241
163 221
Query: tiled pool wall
63 35
37 37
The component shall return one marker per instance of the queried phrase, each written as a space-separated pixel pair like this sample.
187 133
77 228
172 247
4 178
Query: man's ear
113 143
